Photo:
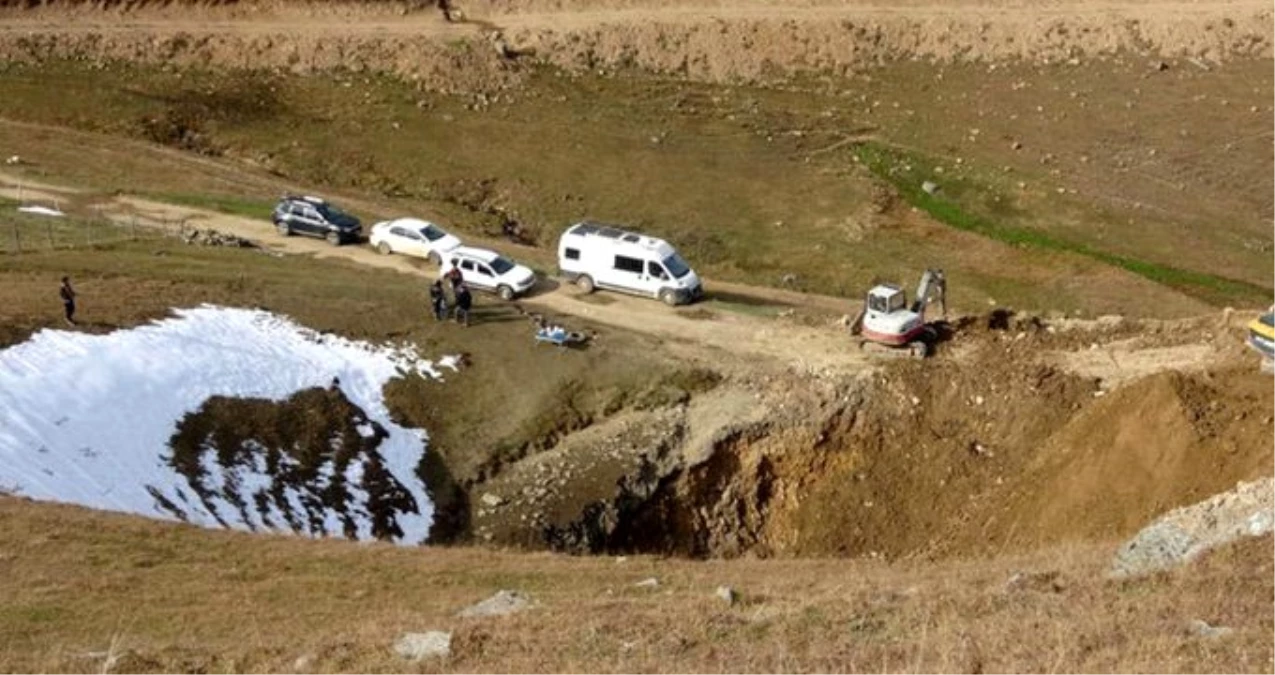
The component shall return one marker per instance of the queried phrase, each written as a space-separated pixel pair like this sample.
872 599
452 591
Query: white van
594 255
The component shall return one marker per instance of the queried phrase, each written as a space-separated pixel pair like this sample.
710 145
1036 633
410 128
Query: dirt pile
1164 441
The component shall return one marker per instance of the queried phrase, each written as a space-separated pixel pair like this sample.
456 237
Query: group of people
462 300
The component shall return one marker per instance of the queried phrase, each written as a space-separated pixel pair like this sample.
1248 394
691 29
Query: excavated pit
997 453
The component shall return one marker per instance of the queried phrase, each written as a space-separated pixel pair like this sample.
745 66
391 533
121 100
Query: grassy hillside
85 588
756 185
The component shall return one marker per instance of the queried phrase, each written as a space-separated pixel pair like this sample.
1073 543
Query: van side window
653 268
627 264
572 253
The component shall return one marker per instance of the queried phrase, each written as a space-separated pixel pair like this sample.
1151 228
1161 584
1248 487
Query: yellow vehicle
1261 334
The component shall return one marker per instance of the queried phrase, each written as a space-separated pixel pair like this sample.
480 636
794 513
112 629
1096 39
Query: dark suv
314 217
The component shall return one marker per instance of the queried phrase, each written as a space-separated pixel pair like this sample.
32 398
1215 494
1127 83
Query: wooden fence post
17 239
48 231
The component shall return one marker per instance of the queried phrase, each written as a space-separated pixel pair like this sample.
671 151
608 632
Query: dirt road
725 333
738 327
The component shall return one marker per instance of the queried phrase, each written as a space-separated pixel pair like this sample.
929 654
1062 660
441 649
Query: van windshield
676 266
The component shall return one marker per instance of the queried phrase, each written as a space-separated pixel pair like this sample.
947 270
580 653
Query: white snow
86 419
41 211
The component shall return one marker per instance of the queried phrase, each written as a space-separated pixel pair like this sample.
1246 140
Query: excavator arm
933 281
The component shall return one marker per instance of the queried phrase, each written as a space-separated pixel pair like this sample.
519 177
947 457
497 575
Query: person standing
463 302
68 300
437 300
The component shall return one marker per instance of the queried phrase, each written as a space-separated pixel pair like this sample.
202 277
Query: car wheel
384 248
334 238
284 228
434 258
668 297
919 349
505 293
585 282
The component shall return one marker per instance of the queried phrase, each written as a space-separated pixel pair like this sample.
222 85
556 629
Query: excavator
887 319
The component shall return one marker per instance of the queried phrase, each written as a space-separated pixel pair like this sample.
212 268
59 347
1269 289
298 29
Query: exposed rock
1043 582
1202 629
930 187
727 595
304 663
650 582
214 238
1184 534
492 500
421 646
500 604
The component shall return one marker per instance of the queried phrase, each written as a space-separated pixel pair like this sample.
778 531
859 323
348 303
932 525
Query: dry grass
79 584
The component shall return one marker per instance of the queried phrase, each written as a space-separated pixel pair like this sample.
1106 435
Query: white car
489 271
411 236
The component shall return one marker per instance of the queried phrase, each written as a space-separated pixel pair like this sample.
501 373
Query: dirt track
721 41
806 349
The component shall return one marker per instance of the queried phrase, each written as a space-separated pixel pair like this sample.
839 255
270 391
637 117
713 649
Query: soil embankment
742 40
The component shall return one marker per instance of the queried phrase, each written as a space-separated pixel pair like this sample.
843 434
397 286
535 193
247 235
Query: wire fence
32 233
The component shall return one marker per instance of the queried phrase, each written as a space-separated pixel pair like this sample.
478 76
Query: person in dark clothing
454 276
68 300
437 300
463 302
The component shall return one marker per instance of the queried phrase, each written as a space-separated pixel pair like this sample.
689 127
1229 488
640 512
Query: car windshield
432 233
501 265
335 216
676 266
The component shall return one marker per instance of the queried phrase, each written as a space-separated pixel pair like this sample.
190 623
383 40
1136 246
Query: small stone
304 663
1016 145
492 500
930 187
1202 629
727 594
649 582
500 604
421 646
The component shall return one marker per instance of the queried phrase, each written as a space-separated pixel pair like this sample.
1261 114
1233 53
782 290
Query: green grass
897 168
229 204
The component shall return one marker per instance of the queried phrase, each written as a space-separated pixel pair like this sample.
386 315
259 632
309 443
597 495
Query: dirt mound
1167 440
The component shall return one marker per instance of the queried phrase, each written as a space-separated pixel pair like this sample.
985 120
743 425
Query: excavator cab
887 298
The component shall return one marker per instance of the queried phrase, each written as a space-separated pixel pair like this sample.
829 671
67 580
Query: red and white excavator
888 320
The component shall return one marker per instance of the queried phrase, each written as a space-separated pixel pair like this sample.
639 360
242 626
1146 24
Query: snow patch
41 211
87 419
